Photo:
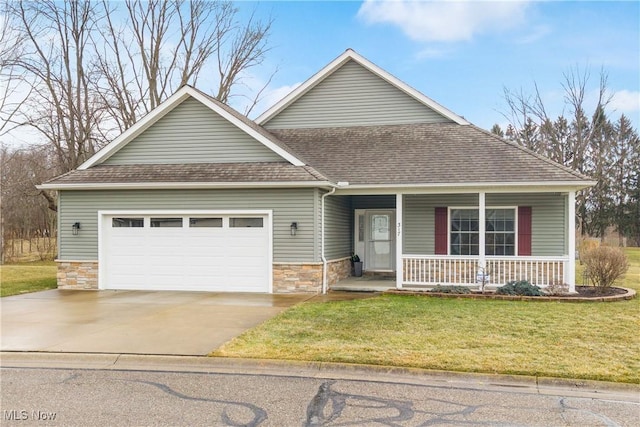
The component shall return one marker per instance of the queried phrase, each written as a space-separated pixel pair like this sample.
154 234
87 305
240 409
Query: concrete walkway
136 322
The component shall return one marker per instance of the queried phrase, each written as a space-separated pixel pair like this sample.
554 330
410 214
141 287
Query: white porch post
482 226
399 240
570 272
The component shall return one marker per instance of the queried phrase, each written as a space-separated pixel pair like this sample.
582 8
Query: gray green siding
419 219
338 231
548 219
353 96
288 205
192 133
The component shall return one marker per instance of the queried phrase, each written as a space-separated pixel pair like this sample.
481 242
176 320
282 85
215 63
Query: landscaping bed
584 294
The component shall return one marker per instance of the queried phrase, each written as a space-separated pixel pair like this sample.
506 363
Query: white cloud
445 21
625 101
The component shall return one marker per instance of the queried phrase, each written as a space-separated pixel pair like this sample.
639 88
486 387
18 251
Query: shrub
605 265
451 289
557 288
521 287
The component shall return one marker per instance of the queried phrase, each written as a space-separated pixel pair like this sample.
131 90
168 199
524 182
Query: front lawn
27 277
597 341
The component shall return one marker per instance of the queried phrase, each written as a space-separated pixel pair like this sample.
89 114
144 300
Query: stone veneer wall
299 277
77 274
338 270
287 278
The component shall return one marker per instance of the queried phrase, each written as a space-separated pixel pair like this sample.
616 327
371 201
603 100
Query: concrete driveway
133 322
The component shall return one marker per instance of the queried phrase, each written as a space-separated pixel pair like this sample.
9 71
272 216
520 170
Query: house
197 197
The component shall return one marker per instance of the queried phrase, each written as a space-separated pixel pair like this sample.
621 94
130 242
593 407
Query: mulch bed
584 294
593 292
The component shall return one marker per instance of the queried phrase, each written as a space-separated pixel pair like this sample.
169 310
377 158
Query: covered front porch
479 239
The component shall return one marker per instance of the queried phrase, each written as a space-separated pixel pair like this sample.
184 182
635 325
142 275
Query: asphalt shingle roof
420 154
191 173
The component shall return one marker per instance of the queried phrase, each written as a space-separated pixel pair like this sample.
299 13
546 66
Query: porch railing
434 270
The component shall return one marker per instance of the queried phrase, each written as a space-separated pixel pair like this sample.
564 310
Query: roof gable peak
337 63
185 92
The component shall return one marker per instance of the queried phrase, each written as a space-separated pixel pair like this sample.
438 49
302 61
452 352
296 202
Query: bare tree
163 45
12 93
28 225
586 142
95 68
567 138
55 63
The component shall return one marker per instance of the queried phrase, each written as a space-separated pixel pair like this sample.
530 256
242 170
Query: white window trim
515 227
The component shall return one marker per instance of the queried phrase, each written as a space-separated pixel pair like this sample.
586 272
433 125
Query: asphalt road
250 394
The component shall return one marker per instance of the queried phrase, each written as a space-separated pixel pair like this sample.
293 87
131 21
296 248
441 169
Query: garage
186 251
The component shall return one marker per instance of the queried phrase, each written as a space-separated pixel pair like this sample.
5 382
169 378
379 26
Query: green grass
598 341
27 277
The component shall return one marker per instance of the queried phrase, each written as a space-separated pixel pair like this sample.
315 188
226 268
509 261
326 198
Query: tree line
592 143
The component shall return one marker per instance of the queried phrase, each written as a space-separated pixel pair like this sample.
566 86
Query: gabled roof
351 55
235 118
429 154
393 156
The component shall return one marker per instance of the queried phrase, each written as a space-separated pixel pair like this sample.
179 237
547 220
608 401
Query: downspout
324 258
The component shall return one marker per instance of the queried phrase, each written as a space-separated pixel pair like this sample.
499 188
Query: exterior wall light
75 228
294 228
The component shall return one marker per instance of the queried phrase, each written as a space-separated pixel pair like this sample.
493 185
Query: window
166 222
500 232
245 222
127 222
205 222
465 226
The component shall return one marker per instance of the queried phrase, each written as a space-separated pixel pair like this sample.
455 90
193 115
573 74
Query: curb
332 370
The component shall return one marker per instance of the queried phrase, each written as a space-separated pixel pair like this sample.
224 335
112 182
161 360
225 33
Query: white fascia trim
350 54
168 105
496 187
183 185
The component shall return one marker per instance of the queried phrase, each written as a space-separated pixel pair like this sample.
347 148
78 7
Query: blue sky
462 54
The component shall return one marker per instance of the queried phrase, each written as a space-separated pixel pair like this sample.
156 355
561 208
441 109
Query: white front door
379 239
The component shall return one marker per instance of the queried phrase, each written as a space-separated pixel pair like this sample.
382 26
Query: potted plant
356 264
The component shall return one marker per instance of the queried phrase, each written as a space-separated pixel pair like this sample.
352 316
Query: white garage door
205 252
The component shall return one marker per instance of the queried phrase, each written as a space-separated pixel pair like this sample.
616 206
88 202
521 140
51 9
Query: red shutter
524 230
441 231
